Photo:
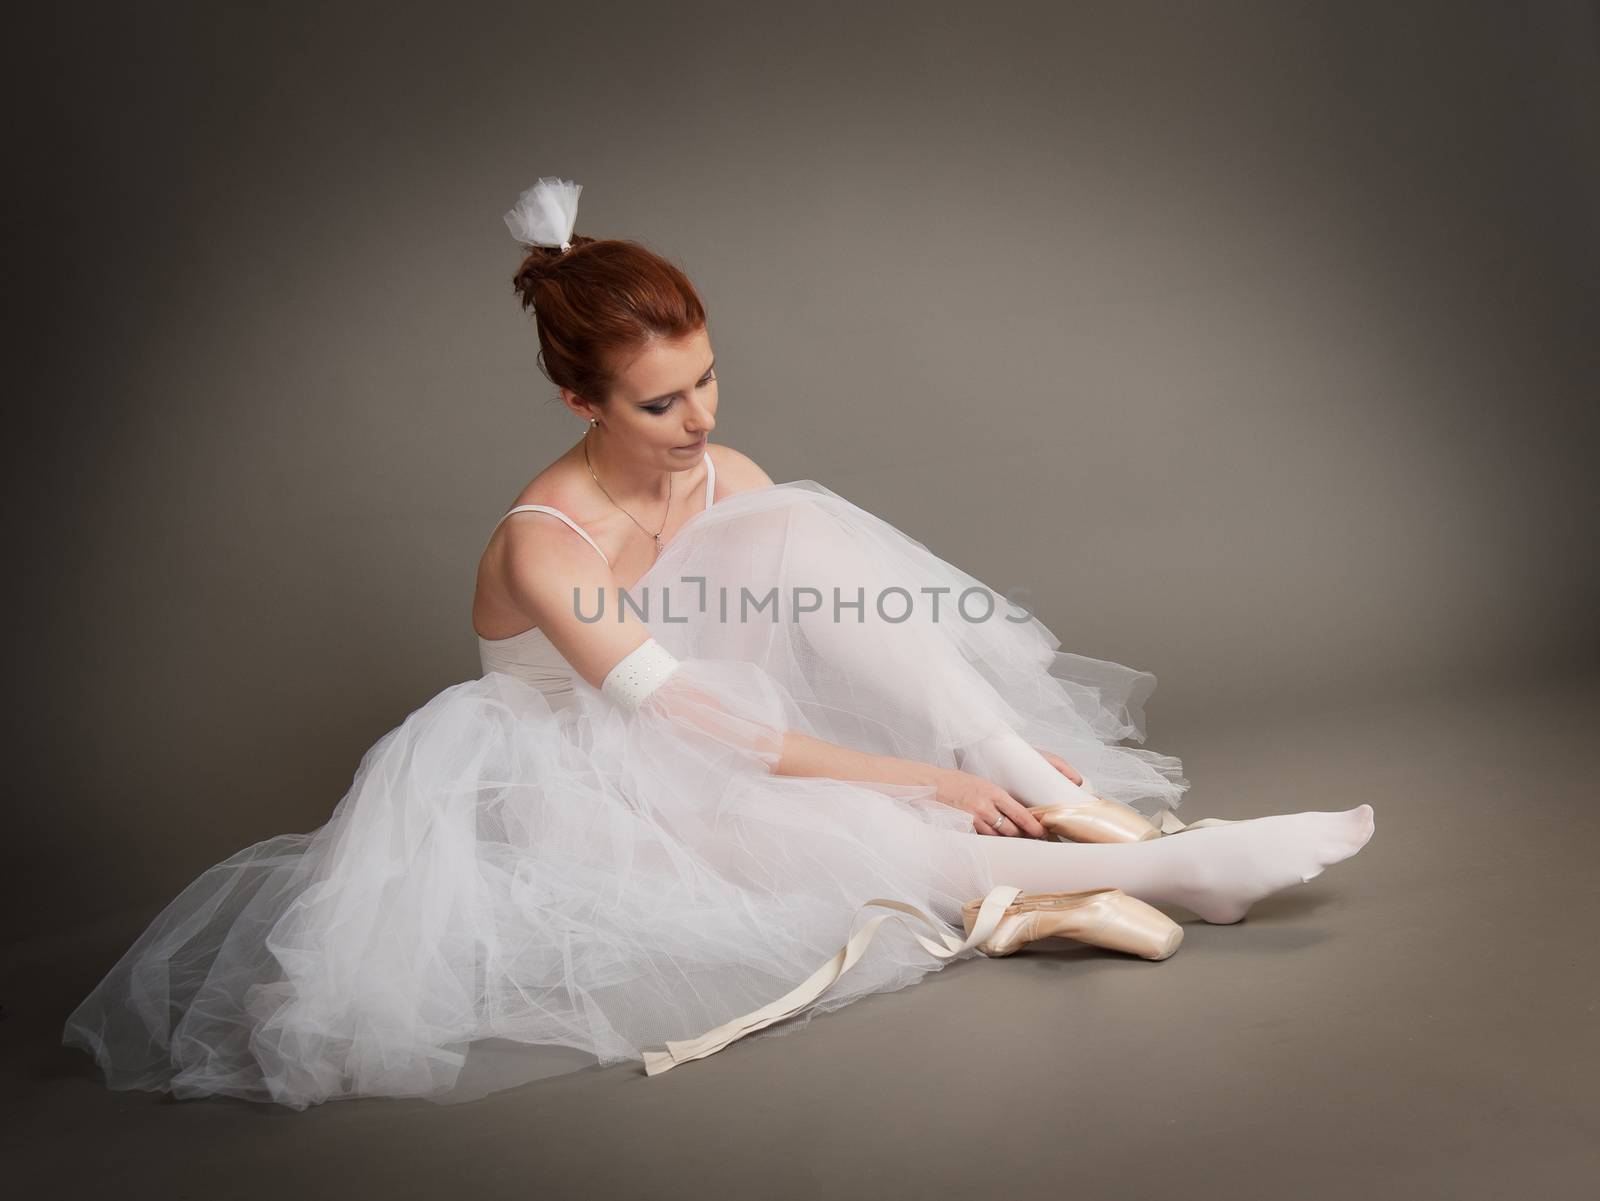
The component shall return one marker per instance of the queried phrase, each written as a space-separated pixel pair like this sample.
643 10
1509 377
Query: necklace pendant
657 537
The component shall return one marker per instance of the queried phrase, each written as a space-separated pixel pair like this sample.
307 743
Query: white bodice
530 655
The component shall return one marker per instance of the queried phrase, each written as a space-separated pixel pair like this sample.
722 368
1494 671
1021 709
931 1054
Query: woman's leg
910 663
1217 872
1005 759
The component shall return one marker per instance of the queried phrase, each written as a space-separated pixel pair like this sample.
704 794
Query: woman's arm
804 755
547 566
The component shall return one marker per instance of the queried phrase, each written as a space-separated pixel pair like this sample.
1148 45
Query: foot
1095 820
1223 870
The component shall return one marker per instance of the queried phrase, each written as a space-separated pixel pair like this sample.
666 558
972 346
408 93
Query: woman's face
663 404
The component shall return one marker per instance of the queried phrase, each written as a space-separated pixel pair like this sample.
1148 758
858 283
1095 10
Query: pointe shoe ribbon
1171 824
990 913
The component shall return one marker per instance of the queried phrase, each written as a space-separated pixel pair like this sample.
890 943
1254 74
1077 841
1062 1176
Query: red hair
600 301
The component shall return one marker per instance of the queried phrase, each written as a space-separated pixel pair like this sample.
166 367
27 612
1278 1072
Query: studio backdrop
1252 343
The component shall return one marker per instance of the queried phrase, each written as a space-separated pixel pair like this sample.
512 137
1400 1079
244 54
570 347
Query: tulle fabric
924 675
509 889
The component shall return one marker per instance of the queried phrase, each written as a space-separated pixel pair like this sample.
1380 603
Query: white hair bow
545 214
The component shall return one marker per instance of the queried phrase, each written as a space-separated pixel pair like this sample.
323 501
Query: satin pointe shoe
1095 820
1100 917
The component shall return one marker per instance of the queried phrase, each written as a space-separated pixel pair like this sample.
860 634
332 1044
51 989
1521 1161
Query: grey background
1254 340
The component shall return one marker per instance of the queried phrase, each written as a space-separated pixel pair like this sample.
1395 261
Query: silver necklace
630 516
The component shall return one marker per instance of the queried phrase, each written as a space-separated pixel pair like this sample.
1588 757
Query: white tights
908 661
1217 872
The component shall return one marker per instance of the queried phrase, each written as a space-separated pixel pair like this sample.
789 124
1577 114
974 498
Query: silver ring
999 821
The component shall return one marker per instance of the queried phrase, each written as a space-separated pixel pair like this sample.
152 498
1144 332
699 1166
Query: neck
643 489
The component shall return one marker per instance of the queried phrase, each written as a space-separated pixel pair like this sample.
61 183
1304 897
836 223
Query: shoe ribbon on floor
948 947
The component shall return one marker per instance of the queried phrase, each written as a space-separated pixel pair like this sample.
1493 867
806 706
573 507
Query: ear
578 405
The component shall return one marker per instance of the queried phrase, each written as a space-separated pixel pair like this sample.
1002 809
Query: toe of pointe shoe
1096 821
1136 927
1174 941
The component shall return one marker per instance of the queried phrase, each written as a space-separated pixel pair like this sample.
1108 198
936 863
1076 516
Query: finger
1068 770
1002 823
1023 818
1061 765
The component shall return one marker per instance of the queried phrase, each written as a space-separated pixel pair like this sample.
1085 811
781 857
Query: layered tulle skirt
512 888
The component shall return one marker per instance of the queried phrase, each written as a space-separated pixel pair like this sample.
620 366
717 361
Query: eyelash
663 408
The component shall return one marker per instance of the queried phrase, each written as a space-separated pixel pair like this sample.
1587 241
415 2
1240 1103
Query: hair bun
597 298
540 265
531 274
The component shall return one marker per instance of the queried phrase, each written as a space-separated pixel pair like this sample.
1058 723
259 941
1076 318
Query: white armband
639 673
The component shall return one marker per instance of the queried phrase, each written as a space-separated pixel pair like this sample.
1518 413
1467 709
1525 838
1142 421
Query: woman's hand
1061 765
986 802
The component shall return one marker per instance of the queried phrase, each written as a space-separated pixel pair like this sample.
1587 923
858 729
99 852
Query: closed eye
707 378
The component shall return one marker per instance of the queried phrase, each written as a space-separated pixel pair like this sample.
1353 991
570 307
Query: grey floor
1419 1022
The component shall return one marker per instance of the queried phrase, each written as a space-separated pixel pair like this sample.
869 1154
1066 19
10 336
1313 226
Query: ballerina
718 718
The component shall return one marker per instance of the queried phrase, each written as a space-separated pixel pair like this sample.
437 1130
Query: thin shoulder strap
711 479
578 529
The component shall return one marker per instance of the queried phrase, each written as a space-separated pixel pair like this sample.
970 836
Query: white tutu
507 872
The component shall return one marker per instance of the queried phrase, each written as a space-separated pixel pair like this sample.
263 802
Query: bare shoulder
736 471
531 540
561 485
564 486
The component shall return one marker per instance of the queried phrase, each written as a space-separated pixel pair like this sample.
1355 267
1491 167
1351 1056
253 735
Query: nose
699 421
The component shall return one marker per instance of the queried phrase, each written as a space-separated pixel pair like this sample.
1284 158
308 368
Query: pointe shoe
1100 917
1095 820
